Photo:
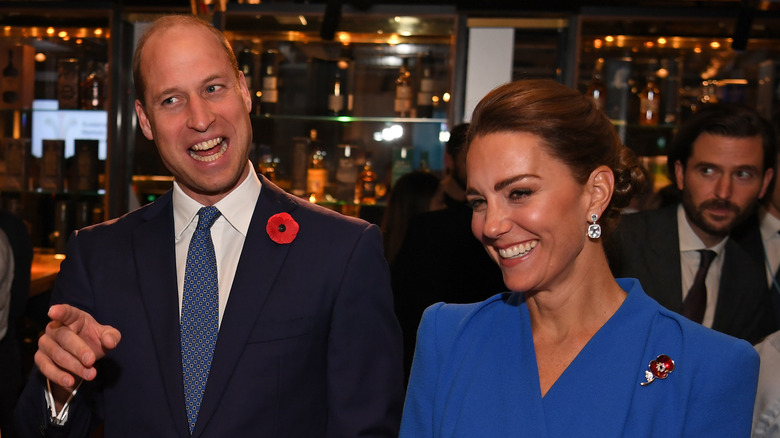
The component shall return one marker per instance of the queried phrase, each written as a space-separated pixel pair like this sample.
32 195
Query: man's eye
170 101
744 174
707 170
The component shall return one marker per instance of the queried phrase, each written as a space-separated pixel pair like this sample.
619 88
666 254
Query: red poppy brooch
282 228
659 368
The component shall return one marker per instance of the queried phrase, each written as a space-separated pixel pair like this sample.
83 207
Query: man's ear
143 120
679 174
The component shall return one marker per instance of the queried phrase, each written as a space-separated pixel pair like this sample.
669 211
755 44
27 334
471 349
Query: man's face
197 111
721 183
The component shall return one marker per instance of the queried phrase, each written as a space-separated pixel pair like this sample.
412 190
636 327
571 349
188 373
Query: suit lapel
156 265
663 258
260 262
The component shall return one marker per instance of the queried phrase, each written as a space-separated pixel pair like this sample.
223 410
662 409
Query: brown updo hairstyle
572 130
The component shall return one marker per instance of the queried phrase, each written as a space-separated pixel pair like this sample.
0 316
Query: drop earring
594 229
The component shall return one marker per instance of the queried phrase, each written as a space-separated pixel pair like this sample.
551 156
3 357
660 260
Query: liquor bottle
403 92
10 83
246 63
649 103
425 88
68 83
92 89
269 98
596 89
336 96
316 171
346 174
365 188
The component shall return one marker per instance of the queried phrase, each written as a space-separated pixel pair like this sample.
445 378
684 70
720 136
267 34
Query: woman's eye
519 194
476 204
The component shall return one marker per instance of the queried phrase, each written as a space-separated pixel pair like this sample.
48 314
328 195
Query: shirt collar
233 207
770 225
689 241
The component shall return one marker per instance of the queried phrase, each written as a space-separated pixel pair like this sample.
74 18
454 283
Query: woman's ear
601 183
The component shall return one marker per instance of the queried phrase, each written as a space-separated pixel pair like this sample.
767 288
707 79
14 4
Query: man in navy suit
722 161
308 344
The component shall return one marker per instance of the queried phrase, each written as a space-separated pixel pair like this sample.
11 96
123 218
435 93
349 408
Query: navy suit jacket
308 346
646 246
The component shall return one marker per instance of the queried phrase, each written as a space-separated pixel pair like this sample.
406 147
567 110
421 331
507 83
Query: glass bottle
269 97
10 81
425 89
316 172
93 89
596 88
650 102
365 189
246 63
336 96
403 91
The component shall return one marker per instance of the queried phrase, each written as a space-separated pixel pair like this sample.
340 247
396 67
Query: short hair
457 141
164 23
572 129
723 119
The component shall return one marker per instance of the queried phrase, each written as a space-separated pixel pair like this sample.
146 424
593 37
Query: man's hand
72 343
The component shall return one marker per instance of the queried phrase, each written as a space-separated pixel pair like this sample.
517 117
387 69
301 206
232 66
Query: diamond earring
594 230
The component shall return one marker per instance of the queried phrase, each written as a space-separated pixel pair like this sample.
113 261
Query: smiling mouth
197 151
518 250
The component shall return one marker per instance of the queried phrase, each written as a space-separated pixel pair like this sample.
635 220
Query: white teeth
517 250
206 145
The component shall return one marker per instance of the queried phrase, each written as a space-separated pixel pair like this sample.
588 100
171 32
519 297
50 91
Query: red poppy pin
282 228
658 369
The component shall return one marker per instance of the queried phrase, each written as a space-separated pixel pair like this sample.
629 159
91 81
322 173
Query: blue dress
474 375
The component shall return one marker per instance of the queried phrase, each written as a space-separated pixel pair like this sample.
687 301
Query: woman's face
529 211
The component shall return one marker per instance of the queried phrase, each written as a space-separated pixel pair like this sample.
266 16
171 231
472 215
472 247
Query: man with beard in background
722 161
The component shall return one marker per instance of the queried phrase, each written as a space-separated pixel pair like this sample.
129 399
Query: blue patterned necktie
199 312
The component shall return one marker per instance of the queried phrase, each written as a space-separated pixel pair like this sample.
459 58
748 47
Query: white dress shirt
770 226
227 233
690 244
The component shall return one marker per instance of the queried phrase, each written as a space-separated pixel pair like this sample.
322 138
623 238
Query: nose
723 187
200 114
495 222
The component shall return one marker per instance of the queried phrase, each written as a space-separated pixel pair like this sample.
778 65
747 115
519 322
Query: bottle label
270 96
335 103
403 92
269 82
316 180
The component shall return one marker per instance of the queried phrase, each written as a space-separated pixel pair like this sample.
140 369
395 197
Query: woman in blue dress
570 350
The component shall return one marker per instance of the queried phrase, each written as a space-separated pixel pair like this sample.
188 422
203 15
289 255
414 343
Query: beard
696 214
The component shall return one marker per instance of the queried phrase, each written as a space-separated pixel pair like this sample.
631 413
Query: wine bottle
365 189
10 82
403 91
596 88
246 63
93 89
269 98
649 103
316 172
425 88
336 96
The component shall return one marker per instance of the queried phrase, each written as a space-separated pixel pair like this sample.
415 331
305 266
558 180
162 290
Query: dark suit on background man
308 346
646 246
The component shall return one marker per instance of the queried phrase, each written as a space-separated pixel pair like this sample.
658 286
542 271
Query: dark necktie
199 313
696 300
